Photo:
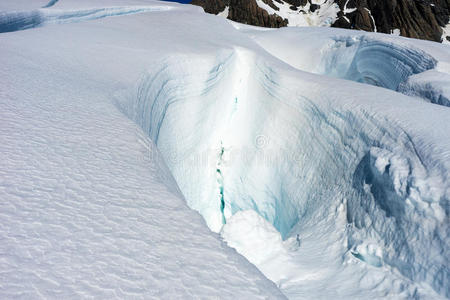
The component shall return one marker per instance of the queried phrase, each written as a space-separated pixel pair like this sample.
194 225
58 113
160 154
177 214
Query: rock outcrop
422 19
244 11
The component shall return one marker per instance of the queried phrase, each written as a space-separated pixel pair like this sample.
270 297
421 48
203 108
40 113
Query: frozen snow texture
347 184
88 207
393 63
16 20
50 3
300 154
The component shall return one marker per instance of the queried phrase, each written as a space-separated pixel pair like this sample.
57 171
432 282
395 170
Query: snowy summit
150 150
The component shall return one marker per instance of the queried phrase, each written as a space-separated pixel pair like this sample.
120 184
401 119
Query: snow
396 32
323 164
323 16
89 208
446 34
373 20
22 5
395 63
347 10
14 21
224 13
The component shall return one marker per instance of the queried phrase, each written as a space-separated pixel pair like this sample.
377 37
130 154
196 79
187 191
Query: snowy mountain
150 150
417 19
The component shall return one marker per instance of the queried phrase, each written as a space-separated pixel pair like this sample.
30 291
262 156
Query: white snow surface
88 207
446 34
414 67
322 155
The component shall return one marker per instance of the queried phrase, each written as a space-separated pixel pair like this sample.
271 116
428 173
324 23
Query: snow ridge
50 3
14 21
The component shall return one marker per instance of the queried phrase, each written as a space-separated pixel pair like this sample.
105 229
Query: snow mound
253 237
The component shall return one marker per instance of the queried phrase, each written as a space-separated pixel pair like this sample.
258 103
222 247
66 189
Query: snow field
332 188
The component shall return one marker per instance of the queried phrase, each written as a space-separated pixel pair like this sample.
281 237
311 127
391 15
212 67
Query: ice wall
383 64
205 123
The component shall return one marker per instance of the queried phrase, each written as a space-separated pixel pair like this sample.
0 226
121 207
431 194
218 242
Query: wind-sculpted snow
333 189
50 3
298 158
432 85
21 20
88 207
385 62
378 63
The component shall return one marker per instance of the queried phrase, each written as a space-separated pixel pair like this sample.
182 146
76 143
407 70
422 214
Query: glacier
314 152
419 69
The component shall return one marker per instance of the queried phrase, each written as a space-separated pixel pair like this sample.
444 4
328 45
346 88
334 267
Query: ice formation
418 68
317 179
292 150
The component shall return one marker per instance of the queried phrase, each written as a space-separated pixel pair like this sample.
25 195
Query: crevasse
22 20
386 63
294 155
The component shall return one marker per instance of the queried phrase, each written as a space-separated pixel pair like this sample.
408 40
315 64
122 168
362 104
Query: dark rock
212 7
342 22
363 20
422 19
296 3
314 7
248 12
270 3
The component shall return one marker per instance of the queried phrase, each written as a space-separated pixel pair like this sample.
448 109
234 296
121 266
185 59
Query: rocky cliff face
423 19
243 11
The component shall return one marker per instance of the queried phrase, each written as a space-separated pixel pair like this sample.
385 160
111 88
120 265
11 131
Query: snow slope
88 207
331 187
415 68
